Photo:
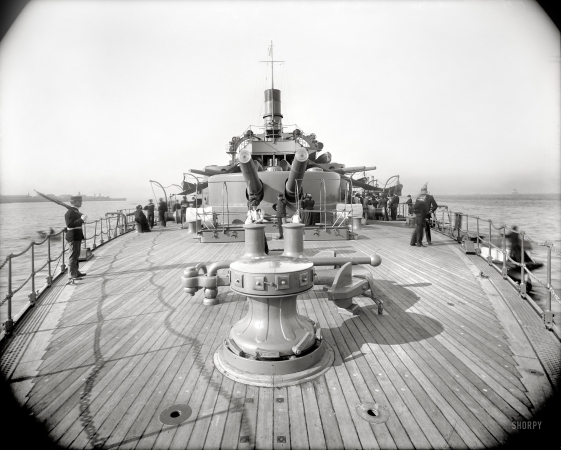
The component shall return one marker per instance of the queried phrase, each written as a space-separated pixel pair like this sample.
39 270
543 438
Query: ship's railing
41 261
450 224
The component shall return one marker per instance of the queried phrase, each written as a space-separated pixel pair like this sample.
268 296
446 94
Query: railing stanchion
504 270
522 267
548 314
63 266
490 255
9 324
50 276
100 231
467 229
33 295
478 250
95 235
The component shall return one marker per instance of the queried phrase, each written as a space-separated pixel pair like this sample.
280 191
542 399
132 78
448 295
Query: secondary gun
249 172
296 176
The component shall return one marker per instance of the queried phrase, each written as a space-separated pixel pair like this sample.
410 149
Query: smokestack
273 114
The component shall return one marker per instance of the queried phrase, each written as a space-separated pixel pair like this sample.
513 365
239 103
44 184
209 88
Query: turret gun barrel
296 176
249 172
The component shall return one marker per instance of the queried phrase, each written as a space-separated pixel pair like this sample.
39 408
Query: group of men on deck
146 222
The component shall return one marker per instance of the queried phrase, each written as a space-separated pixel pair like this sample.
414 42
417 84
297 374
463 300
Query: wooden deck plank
206 412
314 426
281 425
297 419
217 426
331 431
265 431
339 388
232 427
249 424
332 426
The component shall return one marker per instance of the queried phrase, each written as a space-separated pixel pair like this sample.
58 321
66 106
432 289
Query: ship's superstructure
276 160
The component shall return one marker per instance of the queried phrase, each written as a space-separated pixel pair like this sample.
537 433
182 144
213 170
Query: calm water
538 215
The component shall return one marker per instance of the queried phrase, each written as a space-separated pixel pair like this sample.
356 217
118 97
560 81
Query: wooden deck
450 359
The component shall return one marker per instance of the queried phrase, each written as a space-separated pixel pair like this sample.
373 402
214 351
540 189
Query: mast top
272 61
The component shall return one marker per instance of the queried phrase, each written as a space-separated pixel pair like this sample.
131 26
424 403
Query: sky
101 97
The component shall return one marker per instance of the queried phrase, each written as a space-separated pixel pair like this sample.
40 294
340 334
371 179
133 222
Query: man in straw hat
421 210
74 235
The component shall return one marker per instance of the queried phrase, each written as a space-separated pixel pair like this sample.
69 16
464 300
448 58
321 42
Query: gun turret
249 171
296 176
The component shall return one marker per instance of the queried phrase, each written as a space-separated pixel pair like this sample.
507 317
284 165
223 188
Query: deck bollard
357 223
193 226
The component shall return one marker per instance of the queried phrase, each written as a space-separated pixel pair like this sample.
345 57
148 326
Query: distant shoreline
38 199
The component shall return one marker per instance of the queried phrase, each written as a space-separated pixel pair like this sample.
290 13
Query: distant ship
514 192
65 198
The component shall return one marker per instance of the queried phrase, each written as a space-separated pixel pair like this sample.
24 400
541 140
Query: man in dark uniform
74 235
177 211
393 206
409 204
280 208
162 210
150 212
432 206
142 225
303 208
384 206
421 210
310 203
184 206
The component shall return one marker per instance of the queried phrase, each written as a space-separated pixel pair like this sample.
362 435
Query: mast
272 71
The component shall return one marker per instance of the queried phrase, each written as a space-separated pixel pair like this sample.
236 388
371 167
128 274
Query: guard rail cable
35 294
456 232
